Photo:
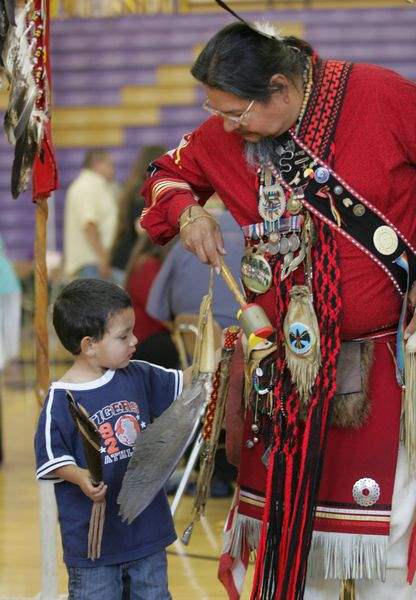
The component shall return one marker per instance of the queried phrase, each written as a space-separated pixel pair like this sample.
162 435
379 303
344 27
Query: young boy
94 320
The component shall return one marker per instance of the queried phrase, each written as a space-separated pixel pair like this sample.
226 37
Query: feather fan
91 441
159 447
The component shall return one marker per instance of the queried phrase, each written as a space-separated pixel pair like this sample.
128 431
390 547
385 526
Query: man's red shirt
374 151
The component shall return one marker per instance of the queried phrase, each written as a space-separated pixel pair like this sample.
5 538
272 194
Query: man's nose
230 125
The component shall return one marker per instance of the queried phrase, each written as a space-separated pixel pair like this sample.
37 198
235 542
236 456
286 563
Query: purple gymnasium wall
93 59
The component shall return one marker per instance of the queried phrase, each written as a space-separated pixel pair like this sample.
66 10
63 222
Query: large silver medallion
385 240
256 273
366 491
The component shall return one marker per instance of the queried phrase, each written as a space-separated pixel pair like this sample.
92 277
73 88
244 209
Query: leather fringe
245 530
347 556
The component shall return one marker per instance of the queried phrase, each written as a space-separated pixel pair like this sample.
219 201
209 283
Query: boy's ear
87 346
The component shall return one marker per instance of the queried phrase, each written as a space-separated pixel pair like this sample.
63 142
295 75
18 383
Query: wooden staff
41 302
232 284
48 513
253 319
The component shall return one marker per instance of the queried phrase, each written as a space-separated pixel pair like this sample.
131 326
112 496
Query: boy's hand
82 478
95 492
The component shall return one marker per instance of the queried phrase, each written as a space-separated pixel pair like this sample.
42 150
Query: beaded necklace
307 89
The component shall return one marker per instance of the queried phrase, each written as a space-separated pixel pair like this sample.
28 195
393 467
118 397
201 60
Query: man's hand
201 234
82 478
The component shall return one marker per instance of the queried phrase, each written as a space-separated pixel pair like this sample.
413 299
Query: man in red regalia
316 162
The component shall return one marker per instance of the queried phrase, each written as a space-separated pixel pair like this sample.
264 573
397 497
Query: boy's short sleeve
54 435
163 386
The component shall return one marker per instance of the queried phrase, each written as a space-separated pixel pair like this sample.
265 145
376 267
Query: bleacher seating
123 83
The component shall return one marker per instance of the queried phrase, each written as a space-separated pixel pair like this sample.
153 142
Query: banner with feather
24 37
91 441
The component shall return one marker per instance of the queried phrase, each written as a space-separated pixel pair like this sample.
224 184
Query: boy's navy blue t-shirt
121 403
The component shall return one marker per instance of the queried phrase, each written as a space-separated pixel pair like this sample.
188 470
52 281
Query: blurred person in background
90 219
183 280
155 344
130 209
10 310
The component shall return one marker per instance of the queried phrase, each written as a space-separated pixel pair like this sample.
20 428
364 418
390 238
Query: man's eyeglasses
218 113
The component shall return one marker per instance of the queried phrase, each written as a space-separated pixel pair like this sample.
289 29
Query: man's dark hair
83 308
241 61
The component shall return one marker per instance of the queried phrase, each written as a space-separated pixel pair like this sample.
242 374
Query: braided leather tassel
214 416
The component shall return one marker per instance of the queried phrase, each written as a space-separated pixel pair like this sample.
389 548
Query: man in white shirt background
90 218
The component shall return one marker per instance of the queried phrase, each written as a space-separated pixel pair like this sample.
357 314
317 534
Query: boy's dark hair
83 308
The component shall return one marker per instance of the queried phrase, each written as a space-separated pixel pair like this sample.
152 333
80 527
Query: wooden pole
48 513
41 302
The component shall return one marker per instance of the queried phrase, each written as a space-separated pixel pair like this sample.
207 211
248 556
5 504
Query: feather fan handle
90 436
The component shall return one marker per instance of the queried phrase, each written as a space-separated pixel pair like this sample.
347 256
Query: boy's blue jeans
148 580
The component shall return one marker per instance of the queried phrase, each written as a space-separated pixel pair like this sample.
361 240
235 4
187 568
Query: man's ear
280 83
87 346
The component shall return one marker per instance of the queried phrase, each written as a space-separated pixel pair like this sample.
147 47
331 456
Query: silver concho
294 242
321 175
385 240
273 245
359 210
284 245
256 273
366 491
273 249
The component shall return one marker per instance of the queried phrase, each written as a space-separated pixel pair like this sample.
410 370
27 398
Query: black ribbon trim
361 228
